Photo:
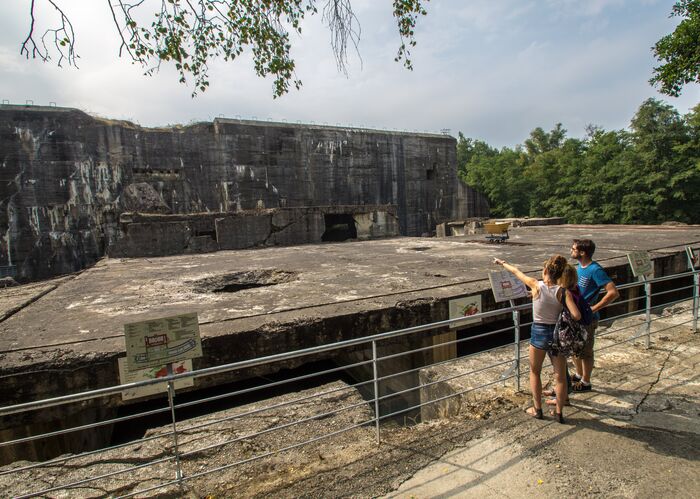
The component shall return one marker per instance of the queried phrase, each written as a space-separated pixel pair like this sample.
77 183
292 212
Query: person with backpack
591 278
569 281
547 299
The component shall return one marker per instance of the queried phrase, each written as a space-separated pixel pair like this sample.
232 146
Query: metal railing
180 447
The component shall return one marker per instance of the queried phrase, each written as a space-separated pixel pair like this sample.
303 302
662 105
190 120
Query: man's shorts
590 341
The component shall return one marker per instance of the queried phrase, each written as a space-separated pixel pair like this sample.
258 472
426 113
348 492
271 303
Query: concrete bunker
92 187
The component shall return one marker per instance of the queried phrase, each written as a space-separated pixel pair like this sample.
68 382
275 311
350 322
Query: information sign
465 307
506 286
640 263
127 376
157 342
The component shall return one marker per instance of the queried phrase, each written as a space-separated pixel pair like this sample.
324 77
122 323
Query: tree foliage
647 174
679 51
192 33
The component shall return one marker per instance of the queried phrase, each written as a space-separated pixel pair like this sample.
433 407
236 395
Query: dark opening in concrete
127 431
339 227
207 233
237 281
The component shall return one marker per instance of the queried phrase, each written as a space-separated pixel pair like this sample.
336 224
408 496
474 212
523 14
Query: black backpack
583 306
569 335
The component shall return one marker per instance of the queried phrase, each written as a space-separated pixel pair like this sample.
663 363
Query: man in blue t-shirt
591 278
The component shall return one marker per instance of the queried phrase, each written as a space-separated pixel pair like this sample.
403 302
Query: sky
491 69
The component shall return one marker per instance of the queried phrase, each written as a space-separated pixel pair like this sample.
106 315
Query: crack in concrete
658 378
25 304
274 229
9 313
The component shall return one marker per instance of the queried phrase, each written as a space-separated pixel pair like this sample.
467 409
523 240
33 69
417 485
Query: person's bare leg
551 394
536 359
587 370
559 364
579 366
586 362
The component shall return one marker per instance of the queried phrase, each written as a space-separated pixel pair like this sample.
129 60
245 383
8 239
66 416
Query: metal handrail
79 397
245 364
271 384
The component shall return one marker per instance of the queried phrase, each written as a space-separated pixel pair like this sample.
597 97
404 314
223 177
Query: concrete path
636 435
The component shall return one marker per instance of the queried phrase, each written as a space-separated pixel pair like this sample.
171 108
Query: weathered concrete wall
163 235
66 178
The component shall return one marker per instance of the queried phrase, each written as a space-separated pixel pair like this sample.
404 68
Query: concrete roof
330 279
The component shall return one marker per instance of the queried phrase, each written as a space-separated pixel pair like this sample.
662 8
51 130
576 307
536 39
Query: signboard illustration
157 342
127 376
506 286
640 263
465 307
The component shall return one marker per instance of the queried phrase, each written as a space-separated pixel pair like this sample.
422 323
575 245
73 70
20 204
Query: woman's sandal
558 415
534 413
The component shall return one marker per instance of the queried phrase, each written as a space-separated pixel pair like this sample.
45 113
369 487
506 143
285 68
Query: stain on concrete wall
66 177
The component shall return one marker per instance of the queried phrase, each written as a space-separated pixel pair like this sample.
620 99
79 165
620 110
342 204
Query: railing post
516 334
171 402
696 299
647 310
692 264
376 389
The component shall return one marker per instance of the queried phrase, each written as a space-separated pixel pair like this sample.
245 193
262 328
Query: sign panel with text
640 263
506 286
127 376
157 342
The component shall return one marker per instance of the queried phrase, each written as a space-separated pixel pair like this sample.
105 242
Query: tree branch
340 19
63 39
191 33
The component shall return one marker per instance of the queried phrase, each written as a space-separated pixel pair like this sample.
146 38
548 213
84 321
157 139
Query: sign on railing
465 307
506 286
126 376
158 342
640 263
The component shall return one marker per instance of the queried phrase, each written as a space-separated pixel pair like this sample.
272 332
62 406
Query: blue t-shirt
590 280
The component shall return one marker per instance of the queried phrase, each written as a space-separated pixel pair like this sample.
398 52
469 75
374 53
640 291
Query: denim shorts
541 336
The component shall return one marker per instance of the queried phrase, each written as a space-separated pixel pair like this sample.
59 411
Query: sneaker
580 386
575 378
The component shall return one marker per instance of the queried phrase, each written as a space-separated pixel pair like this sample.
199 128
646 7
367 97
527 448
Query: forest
648 173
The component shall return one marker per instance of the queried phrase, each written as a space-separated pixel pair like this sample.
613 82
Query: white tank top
546 308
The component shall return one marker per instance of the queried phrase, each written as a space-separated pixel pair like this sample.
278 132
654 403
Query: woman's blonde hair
569 278
554 268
